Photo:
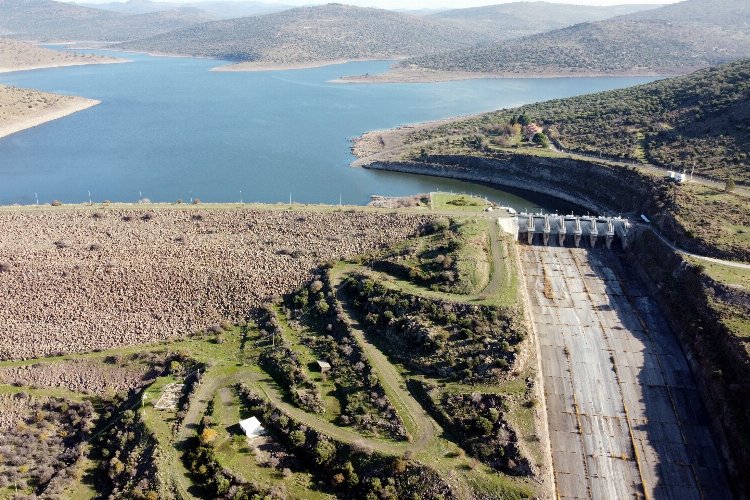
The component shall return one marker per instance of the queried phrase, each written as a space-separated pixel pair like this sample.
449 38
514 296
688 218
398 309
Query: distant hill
311 34
700 120
672 39
219 9
517 19
48 20
15 55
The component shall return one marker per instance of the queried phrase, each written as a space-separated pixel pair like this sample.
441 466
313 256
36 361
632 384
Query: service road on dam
625 417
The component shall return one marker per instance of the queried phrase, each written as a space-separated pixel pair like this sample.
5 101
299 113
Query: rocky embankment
78 280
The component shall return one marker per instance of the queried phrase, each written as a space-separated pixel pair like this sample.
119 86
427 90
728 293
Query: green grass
457 202
45 392
83 488
233 452
473 262
307 357
731 276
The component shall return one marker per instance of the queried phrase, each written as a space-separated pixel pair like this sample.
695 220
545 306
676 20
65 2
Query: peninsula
21 109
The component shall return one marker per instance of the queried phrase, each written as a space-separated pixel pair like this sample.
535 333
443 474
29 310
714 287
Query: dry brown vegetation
78 375
131 276
16 102
15 55
40 452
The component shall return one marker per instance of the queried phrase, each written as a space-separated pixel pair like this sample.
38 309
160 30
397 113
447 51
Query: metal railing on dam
573 230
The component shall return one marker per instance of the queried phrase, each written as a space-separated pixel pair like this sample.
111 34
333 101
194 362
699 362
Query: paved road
625 417
653 169
728 263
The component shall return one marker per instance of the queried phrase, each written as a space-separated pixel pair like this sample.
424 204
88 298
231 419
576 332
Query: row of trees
471 344
363 401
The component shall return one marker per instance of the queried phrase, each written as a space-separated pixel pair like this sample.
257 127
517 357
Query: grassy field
731 276
458 202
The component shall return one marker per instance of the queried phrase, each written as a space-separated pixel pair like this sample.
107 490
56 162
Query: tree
325 450
729 185
541 138
208 435
175 367
523 120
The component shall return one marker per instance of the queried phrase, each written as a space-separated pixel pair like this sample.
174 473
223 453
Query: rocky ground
78 280
15 408
78 376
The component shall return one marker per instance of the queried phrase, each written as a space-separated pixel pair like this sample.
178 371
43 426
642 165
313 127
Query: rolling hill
517 19
312 34
219 9
48 20
699 120
16 56
673 39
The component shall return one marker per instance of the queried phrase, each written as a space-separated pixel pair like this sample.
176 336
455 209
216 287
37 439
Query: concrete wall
598 187
717 358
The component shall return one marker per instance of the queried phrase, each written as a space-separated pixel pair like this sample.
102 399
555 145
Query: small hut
252 427
323 366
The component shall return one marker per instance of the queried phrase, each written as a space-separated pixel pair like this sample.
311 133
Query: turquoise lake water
168 129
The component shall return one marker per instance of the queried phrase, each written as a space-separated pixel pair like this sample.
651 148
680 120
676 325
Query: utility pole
290 199
36 195
90 198
240 197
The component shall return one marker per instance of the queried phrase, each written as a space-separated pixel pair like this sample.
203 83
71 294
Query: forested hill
312 34
59 21
701 120
673 39
517 19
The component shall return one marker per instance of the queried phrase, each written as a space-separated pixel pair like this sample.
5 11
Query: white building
252 427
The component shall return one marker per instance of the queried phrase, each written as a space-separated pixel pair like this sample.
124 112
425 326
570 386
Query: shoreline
412 75
63 65
157 206
261 66
21 124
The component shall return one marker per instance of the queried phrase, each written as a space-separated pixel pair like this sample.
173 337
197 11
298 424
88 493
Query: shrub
56 203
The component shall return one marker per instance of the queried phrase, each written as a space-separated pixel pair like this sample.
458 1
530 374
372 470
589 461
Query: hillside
48 20
16 56
219 9
669 40
312 34
517 19
700 120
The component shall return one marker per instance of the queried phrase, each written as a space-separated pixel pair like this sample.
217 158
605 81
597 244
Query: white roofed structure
252 427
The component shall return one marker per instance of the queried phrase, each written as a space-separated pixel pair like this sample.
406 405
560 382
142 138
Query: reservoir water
168 129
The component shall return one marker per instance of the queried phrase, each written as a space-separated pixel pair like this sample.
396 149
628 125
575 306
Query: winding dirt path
420 425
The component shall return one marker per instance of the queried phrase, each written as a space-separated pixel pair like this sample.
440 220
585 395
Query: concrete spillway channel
625 417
